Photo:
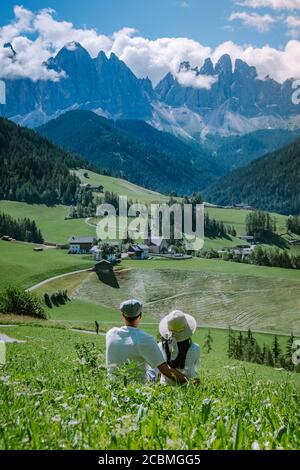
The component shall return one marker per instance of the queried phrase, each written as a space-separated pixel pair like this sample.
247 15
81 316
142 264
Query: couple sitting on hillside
174 359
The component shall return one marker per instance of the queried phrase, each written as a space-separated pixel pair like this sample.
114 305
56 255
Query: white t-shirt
191 363
128 344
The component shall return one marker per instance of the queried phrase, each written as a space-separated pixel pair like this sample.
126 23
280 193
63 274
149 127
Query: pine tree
269 359
231 349
276 351
240 346
207 346
289 352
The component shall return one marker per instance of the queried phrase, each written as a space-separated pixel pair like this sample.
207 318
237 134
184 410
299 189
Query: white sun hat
177 324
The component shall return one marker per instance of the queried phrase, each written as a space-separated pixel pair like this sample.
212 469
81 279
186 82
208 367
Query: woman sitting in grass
179 351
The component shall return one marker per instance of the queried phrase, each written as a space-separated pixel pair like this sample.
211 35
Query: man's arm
173 374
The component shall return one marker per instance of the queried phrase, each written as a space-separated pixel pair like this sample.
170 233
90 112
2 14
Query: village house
138 251
189 248
244 206
243 250
248 238
294 242
80 245
96 188
158 245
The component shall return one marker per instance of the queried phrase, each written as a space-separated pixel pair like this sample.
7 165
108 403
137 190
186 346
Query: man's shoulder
145 336
113 331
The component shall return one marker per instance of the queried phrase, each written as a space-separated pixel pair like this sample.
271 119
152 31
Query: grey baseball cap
131 308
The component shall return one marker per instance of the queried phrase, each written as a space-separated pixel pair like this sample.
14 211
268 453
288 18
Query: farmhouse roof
79 240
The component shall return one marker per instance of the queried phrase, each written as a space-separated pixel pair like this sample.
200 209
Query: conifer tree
207 346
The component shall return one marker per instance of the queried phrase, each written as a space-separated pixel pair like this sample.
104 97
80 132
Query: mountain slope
271 182
168 143
33 169
236 151
107 145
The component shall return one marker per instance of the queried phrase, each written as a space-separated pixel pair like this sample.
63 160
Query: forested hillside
271 183
136 152
34 170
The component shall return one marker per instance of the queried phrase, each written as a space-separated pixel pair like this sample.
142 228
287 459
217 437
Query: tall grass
53 397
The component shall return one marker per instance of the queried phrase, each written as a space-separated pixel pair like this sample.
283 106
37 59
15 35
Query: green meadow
51 220
21 266
55 388
54 385
119 186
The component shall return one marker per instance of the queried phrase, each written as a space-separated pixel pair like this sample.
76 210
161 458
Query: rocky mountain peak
242 68
207 68
224 65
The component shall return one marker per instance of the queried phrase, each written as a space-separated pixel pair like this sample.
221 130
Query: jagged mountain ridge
105 85
237 103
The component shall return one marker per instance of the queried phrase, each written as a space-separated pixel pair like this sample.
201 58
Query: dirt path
40 284
87 221
8 339
88 332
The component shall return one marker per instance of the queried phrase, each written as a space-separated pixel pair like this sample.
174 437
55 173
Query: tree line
293 224
265 257
261 225
245 347
20 229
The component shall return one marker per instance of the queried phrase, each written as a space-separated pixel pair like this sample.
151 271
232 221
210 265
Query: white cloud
274 4
38 36
188 78
278 64
293 24
293 21
261 22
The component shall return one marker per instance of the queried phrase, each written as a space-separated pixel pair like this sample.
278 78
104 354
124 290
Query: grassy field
50 220
21 266
237 218
215 266
122 187
55 228
58 394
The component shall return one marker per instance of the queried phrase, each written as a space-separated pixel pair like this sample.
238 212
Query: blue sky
204 21
153 36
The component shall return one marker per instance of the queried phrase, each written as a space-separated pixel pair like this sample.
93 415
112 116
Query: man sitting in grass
129 344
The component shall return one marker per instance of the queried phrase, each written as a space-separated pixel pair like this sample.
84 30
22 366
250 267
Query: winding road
60 276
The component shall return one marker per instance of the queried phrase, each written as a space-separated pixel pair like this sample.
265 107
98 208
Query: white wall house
80 245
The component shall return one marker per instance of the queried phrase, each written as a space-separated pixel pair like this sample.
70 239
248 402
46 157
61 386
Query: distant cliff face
103 84
238 102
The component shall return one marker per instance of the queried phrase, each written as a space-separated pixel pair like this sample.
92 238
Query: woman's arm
172 374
